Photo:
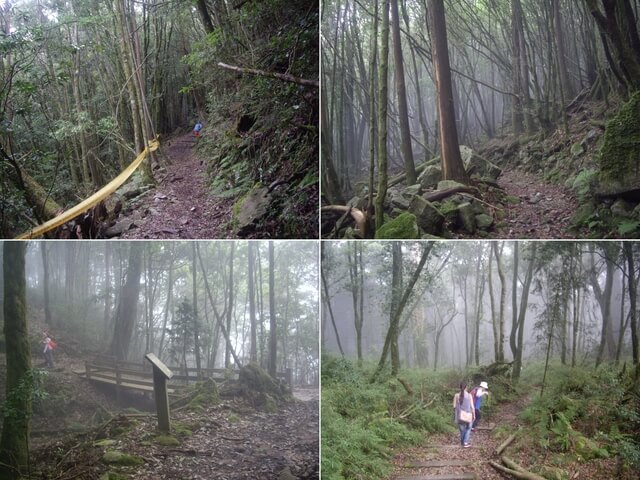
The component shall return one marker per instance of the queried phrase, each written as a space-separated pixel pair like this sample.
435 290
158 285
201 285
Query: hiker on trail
464 414
478 394
48 349
197 128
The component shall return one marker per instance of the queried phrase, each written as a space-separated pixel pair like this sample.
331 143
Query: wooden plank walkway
439 463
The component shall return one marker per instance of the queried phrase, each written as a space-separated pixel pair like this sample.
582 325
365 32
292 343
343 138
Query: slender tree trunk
401 90
273 338
45 283
196 322
383 99
253 355
633 302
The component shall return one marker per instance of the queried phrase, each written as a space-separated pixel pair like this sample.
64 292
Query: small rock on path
544 211
181 205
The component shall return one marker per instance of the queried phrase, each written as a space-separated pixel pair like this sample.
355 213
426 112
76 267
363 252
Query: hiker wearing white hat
478 395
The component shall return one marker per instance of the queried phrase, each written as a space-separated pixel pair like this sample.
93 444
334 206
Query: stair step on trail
446 476
439 464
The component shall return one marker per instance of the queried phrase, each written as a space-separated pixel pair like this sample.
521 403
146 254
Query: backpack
53 345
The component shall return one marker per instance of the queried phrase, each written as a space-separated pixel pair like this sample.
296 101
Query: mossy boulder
467 217
402 227
260 388
619 156
427 215
484 221
205 394
252 207
114 457
430 176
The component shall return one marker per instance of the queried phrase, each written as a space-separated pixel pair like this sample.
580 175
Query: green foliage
628 226
589 414
361 420
583 183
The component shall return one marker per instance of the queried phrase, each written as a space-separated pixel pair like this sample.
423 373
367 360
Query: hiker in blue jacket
478 394
197 128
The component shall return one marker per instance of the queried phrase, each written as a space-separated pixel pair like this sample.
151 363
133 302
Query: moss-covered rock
467 218
261 389
114 457
113 476
402 227
620 154
427 215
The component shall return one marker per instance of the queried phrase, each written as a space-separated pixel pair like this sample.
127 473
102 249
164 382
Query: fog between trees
571 298
129 298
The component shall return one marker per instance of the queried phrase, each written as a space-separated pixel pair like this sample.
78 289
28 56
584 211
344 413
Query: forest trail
444 458
180 206
544 210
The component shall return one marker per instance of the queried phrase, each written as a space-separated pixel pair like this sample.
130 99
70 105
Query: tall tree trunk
383 99
524 306
230 308
14 443
45 284
273 338
401 90
127 309
196 322
452 166
503 296
633 301
253 351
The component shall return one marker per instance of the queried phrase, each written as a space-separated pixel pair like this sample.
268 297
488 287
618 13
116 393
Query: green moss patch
114 457
620 153
402 227
167 440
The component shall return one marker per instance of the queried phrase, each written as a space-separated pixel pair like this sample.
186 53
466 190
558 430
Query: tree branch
279 76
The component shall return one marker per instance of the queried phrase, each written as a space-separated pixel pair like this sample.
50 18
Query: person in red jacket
48 349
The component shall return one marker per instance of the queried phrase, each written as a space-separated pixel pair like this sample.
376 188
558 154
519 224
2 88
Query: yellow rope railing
94 199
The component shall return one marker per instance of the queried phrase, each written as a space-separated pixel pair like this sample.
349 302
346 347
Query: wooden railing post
160 376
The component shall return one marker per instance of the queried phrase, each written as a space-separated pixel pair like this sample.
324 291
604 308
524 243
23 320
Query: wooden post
161 374
118 381
289 374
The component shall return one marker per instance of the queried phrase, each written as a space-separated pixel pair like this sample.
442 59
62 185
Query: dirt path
445 448
181 206
544 210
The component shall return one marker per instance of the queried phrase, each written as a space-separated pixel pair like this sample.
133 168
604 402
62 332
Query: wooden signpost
161 374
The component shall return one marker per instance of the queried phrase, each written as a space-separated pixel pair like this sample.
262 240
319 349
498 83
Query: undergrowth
363 421
585 414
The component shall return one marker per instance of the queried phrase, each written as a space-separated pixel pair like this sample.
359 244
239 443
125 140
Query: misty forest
480 118
550 328
208 107
153 360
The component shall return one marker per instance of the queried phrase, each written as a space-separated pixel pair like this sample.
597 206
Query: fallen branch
447 192
401 176
279 76
507 442
519 472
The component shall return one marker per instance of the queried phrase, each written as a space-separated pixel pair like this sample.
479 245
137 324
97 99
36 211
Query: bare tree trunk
383 99
452 167
253 355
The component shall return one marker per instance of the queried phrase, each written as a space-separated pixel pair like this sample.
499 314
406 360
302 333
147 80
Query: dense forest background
473 303
526 85
85 85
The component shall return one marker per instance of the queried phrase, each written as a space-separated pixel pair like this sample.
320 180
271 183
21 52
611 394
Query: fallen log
516 470
507 442
447 192
279 76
